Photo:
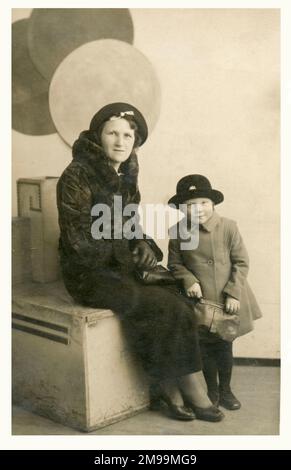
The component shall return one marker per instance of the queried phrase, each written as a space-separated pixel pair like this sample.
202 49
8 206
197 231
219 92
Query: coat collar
211 223
207 227
86 150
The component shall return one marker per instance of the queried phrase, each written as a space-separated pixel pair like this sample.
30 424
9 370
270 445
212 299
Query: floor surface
258 388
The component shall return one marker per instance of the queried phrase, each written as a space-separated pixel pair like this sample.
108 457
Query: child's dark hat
192 186
120 110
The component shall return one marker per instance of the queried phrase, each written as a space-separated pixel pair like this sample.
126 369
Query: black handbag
156 276
211 316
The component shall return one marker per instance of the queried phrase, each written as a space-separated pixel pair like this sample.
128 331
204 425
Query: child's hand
232 305
194 291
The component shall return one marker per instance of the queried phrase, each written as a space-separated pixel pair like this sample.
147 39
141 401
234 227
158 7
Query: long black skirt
158 323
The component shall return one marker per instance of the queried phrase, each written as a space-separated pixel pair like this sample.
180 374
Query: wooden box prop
37 201
72 364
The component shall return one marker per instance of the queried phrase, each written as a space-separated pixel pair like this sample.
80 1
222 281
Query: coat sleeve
176 265
74 206
240 264
146 238
152 244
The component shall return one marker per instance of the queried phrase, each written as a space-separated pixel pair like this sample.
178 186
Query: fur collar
86 150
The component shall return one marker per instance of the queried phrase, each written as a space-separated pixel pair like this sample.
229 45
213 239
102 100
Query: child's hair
213 203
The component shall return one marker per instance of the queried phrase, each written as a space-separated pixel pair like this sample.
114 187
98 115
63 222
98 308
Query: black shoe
229 401
214 397
211 413
173 411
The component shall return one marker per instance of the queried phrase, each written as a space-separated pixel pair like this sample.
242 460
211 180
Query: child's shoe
229 401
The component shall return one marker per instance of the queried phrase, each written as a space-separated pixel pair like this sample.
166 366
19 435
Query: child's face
204 208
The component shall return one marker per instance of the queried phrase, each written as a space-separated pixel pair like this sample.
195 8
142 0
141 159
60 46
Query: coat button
210 261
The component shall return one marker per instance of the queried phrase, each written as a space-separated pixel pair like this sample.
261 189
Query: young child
216 270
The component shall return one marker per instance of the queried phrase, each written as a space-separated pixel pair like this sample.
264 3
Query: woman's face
117 139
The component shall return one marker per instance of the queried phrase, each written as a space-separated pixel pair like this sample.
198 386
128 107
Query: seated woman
100 272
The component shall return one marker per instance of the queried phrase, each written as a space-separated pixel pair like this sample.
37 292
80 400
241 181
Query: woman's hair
133 125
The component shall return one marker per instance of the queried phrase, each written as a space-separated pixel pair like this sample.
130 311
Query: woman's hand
143 256
232 305
194 291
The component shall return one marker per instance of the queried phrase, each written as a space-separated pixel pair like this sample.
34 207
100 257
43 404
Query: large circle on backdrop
99 73
30 108
55 32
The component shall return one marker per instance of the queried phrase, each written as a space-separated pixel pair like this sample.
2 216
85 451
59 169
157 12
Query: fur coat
88 180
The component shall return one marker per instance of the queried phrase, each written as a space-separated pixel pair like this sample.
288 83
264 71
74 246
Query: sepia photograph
145 236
